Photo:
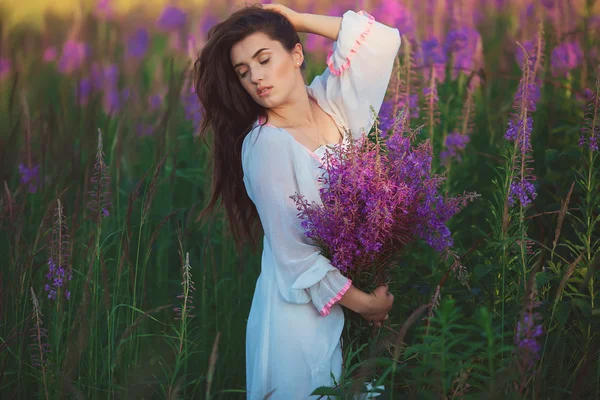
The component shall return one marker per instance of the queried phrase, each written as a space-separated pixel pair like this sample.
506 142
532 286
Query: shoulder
266 142
263 138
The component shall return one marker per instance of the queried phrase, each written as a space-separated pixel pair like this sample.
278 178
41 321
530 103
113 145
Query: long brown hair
229 112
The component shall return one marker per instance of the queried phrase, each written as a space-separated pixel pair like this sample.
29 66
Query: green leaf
541 278
327 391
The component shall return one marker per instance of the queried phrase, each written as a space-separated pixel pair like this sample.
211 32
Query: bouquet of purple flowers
378 196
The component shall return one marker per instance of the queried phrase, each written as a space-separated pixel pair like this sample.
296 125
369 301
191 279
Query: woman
270 135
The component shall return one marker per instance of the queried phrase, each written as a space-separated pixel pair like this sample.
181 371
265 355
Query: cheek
282 72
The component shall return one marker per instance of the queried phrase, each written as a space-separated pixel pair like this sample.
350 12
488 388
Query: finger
386 317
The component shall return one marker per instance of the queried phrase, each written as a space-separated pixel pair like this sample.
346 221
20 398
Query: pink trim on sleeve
359 41
327 308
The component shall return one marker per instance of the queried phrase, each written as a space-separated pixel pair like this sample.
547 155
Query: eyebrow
254 56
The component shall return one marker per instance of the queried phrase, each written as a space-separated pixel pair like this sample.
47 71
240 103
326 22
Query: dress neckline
340 127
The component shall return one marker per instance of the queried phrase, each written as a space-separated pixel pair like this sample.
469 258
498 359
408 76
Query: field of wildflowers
109 288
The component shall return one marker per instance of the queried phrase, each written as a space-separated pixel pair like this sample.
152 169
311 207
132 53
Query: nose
256 76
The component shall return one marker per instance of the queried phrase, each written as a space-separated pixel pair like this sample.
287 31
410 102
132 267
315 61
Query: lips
260 90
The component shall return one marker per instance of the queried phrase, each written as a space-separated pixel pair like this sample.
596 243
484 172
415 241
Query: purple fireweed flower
464 46
30 177
84 91
565 58
530 48
455 143
317 43
5 68
432 56
104 9
58 262
461 39
529 329
523 191
192 107
114 99
49 54
155 101
386 112
137 43
208 21
111 102
374 202
519 130
74 54
591 126
171 19
412 166
397 15
593 143
56 276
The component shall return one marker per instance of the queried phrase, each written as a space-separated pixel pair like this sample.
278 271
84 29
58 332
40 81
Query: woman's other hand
380 303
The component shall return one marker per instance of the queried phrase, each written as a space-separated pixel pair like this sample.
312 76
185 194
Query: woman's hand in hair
294 17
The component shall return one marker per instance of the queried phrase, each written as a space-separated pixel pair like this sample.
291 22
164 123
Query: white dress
293 334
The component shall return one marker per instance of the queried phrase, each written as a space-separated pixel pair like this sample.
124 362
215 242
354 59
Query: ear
298 55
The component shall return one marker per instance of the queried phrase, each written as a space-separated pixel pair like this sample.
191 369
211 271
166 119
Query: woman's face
260 62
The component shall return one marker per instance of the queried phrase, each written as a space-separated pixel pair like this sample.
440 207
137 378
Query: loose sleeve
358 71
272 174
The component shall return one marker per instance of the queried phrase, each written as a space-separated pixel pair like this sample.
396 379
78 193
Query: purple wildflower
192 107
386 112
591 125
433 57
376 201
455 142
30 177
84 90
112 102
171 19
137 43
464 46
155 101
519 130
530 48
104 9
523 191
529 329
73 56
58 262
5 68
208 21
565 58
397 15
526 337
56 276
49 54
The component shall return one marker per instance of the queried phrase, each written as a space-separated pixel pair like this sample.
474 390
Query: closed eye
262 63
